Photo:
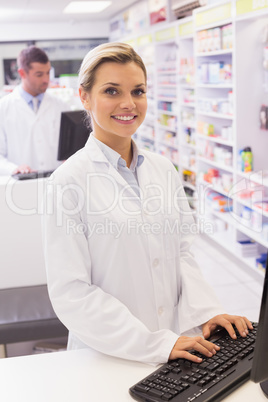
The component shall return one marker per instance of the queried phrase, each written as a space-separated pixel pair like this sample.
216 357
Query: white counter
22 261
83 376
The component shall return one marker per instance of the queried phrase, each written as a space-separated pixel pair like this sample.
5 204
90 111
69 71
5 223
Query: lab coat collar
43 105
97 156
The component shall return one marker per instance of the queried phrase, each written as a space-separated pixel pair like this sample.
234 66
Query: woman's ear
85 98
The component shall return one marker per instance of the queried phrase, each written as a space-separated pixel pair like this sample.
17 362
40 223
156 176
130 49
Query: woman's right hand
185 343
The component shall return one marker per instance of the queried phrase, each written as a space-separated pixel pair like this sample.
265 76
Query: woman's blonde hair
116 52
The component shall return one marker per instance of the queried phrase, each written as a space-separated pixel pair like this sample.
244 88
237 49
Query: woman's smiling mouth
125 118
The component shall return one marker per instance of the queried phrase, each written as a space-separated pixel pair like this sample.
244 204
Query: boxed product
247 248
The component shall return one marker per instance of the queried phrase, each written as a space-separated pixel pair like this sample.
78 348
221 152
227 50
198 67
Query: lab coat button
155 262
160 310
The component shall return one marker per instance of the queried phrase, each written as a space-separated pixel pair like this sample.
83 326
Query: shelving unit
145 47
166 93
187 108
206 87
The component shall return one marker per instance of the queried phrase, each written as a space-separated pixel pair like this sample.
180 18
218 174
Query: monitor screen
74 132
259 372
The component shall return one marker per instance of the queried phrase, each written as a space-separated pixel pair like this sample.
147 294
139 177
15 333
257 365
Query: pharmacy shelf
214 188
215 115
224 216
185 167
252 234
146 137
217 140
160 85
216 53
215 86
251 206
188 124
216 24
222 239
187 86
166 98
168 144
190 146
185 104
233 220
215 164
255 177
167 112
167 128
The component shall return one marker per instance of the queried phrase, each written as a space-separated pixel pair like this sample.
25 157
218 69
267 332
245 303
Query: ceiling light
81 7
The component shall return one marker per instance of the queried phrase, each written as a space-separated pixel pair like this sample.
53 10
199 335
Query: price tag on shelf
213 15
249 6
186 29
165 34
131 42
145 40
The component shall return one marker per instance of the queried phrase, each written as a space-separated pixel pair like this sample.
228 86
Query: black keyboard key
192 380
155 392
204 364
179 389
167 397
141 388
165 371
201 383
198 376
212 366
173 392
176 370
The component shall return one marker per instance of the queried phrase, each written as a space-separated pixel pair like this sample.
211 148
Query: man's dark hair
31 54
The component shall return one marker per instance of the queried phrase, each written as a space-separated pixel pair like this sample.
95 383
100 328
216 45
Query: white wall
22 32
43 31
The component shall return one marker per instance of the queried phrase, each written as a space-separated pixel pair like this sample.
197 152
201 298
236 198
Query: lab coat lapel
43 105
98 157
145 176
22 103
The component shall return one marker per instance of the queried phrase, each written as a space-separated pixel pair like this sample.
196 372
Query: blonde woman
118 230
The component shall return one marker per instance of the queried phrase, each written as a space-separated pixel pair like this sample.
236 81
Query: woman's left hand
225 321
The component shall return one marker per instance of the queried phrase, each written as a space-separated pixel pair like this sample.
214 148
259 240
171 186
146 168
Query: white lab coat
26 137
120 274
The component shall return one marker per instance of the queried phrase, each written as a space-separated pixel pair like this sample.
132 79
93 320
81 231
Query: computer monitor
259 371
74 132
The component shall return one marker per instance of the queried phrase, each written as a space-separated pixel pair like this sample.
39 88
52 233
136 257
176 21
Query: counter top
83 376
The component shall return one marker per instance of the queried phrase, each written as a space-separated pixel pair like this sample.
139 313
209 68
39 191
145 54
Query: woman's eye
139 92
111 91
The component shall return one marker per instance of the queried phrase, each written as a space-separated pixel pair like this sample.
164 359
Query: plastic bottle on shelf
247 160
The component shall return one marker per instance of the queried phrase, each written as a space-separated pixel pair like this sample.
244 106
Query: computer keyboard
184 381
32 175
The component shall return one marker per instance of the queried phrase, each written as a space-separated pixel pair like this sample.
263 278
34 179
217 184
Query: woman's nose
128 102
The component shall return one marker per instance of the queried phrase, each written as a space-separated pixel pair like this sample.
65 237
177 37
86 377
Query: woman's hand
185 343
225 321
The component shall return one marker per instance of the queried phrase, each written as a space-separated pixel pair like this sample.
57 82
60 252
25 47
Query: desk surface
82 376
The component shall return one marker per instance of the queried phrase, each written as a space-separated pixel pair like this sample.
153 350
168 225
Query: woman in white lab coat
118 230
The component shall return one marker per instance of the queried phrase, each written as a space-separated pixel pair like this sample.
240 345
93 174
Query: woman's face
117 102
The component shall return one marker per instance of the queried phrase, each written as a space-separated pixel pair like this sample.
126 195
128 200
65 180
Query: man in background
30 118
